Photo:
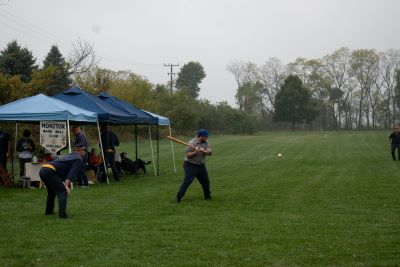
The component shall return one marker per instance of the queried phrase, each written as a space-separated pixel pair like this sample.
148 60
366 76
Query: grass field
332 199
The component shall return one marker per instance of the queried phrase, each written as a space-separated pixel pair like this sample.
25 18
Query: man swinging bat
194 165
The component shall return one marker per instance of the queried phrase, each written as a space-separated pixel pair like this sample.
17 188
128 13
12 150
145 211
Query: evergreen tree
15 60
54 57
55 60
190 77
293 102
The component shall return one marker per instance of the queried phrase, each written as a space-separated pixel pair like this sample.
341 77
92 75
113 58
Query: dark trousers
55 187
195 171
22 165
110 162
393 150
82 177
3 161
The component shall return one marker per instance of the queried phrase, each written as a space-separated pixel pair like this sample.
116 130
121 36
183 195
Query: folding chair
7 178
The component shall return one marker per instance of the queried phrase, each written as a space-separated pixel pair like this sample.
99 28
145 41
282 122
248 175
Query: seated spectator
95 163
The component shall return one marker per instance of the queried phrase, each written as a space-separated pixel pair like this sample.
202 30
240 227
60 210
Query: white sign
53 135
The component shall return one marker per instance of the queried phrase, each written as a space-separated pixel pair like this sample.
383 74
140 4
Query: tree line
347 89
21 75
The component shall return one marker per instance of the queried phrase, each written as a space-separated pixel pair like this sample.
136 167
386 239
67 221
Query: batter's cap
202 132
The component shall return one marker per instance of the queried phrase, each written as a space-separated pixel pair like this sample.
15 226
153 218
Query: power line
28 26
171 73
24 31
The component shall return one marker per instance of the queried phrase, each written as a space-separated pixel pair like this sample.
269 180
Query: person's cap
202 132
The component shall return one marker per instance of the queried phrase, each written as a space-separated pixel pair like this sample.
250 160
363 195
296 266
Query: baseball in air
279 155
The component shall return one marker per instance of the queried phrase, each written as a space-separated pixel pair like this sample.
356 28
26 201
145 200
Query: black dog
130 165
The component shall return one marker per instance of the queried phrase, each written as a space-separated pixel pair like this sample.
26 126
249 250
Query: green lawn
332 199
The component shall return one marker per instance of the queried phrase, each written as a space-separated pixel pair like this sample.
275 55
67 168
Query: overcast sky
142 35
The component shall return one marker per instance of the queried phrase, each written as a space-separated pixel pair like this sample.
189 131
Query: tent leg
15 150
69 145
152 152
158 153
69 137
136 151
102 153
172 148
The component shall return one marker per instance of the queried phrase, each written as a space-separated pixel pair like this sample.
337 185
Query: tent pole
15 149
102 152
69 136
152 152
136 151
158 154
172 148
69 144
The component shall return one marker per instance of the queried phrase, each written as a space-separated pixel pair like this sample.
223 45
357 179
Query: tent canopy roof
142 117
44 108
106 112
161 120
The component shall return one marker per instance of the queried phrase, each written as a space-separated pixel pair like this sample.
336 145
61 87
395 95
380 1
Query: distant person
25 147
194 165
394 140
110 141
81 141
95 162
57 176
5 147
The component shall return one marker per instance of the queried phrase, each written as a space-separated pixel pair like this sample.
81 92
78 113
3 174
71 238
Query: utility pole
171 73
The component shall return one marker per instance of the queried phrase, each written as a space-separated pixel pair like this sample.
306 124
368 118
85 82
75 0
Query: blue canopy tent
105 112
43 108
161 120
143 118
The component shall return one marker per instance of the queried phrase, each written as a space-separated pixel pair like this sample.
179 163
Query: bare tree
82 58
389 63
364 66
272 75
337 66
236 67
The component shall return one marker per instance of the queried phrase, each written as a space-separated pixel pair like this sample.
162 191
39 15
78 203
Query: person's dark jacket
21 147
109 140
68 166
394 138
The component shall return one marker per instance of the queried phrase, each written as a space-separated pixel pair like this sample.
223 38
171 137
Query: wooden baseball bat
180 141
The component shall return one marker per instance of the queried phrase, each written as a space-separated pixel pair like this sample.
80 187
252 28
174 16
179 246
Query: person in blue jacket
81 141
57 176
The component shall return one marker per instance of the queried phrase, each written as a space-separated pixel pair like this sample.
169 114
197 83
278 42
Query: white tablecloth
32 171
